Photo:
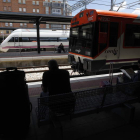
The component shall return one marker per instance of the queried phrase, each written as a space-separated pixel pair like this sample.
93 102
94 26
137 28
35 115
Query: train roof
117 14
34 30
112 13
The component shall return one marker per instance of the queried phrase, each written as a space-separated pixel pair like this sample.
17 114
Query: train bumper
93 65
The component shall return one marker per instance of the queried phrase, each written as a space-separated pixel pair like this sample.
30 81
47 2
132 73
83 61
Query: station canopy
14 17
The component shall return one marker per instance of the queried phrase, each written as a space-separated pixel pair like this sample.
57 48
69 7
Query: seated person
61 47
56 81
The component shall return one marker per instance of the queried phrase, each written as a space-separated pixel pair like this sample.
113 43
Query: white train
27 39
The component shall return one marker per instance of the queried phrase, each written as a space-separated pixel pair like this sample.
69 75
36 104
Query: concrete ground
103 125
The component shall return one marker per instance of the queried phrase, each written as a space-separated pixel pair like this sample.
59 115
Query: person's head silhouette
52 64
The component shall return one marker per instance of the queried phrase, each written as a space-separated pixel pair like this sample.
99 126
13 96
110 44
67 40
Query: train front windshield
81 39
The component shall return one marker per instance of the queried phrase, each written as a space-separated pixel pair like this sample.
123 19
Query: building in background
55 7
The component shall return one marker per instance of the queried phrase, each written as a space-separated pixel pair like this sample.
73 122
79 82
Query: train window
89 44
78 43
11 40
16 39
44 39
91 13
74 31
53 39
64 39
25 39
20 39
86 31
113 34
81 14
33 39
103 27
132 35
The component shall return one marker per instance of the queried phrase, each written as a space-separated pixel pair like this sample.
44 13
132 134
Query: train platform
104 125
25 59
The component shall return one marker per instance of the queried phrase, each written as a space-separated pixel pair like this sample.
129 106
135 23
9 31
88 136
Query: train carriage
26 39
98 38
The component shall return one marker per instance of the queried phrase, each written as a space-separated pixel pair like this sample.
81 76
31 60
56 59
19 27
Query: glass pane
53 39
86 32
132 35
74 31
113 37
25 39
44 39
11 40
103 27
63 39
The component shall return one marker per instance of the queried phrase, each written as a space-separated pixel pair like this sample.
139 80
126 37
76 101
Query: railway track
34 74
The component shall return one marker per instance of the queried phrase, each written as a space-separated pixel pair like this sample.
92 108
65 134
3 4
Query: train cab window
132 35
25 39
113 34
74 31
81 14
86 31
11 40
64 39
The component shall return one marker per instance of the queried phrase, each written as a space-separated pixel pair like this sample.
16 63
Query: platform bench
87 102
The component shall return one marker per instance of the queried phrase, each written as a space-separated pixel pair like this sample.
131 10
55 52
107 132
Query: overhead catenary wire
117 6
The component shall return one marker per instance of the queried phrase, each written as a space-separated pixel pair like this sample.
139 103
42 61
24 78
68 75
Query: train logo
112 51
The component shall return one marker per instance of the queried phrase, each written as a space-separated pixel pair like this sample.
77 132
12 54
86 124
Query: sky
128 6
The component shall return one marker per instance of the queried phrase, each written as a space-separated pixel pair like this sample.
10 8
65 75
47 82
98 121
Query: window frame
37 2
24 1
6 24
19 1
111 35
20 9
9 8
11 24
33 2
5 8
21 24
37 10
131 46
25 24
33 10
24 9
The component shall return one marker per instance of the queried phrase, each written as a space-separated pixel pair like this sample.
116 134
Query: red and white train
98 38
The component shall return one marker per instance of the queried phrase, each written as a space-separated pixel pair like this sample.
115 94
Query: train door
108 40
103 36
113 41
16 43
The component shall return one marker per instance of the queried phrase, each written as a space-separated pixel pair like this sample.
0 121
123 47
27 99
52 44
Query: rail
61 66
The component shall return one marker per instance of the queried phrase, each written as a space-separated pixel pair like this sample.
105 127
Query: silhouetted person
57 81
61 47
